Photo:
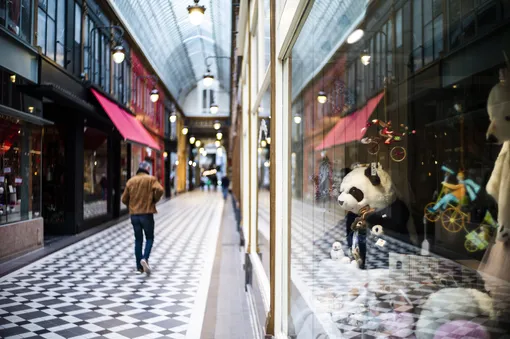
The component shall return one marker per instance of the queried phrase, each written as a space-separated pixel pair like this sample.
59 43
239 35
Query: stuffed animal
337 254
439 312
371 188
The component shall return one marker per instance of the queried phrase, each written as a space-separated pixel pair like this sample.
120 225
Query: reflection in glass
95 183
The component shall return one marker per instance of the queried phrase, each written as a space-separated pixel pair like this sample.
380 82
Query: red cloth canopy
131 129
351 127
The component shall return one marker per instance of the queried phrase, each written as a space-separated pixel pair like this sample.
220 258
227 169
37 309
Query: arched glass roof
177 49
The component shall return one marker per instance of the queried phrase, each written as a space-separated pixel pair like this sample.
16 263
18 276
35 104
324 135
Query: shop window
95 175
16 17
51 29
77 39
20 170
349 277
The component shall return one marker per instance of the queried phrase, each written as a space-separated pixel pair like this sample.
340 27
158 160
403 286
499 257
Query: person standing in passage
225 183
142 193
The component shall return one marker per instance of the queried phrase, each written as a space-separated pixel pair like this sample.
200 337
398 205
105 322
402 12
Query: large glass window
77 38
397 215
16 17
51 29
97 50
20 170
95 175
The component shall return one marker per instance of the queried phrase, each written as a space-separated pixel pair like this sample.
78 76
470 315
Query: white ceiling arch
177 49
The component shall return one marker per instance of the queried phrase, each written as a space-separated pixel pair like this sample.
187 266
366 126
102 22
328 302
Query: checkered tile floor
335 293
90 290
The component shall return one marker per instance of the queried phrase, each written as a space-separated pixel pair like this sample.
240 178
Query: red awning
131 129
350 128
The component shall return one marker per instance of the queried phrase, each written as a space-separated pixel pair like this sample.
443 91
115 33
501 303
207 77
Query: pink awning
131 129
350 128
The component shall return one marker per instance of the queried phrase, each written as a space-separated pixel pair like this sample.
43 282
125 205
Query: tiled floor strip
90 290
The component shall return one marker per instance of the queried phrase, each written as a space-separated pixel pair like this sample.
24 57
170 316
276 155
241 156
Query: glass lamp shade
208 80
217 125
263 143
185 130
365 59
322 97
268 139
196 14
154 95
297 119
118 54
173 118
192 140
355 36
217 143
190 162
219 135
214 109
198 143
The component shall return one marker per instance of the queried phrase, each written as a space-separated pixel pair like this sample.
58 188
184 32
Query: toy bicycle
454 215
386 136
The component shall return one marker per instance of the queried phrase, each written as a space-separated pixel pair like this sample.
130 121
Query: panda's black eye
507 118
356 193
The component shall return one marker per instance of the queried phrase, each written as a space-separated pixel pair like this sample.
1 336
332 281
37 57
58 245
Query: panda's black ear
374 179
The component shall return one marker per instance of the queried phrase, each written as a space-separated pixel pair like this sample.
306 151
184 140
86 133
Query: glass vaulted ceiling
177 49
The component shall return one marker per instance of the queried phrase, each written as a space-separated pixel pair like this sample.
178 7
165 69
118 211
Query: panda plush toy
371 188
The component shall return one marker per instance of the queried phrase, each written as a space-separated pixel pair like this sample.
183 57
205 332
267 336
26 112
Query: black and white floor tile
90 289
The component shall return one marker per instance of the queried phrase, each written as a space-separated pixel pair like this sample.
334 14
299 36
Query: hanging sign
2 179
18 181
7 170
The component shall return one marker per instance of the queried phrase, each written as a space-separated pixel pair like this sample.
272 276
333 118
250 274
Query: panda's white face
359 190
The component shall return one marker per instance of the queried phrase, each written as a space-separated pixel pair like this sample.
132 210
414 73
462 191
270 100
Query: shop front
386 217
21 135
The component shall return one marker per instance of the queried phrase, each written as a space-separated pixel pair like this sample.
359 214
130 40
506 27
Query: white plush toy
337 254
455 306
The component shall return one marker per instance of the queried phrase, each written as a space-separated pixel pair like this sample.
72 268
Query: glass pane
13 17
51 10
428 46
123 169
95 176
427 11
3 12
20 156
41 31
438 36
437 7
61 25
267 33
50 39
263 182
398 29
417 24
26 20
77 23
394 219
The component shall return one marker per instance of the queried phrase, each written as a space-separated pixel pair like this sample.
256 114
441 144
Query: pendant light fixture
322 97
214 109
154 95
217 125
173 118
219 135
198 143
196 13
208 79
365 58
192 140
297 119
185 130
118 54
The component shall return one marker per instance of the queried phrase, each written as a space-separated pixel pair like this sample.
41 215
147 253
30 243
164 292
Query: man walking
225 183
141 194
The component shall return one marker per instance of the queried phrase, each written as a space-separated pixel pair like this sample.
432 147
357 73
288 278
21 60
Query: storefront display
20 168
417 204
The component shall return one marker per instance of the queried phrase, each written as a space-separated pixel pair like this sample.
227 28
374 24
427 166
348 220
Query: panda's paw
503 234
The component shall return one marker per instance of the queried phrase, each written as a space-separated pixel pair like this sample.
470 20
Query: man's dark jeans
143 223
